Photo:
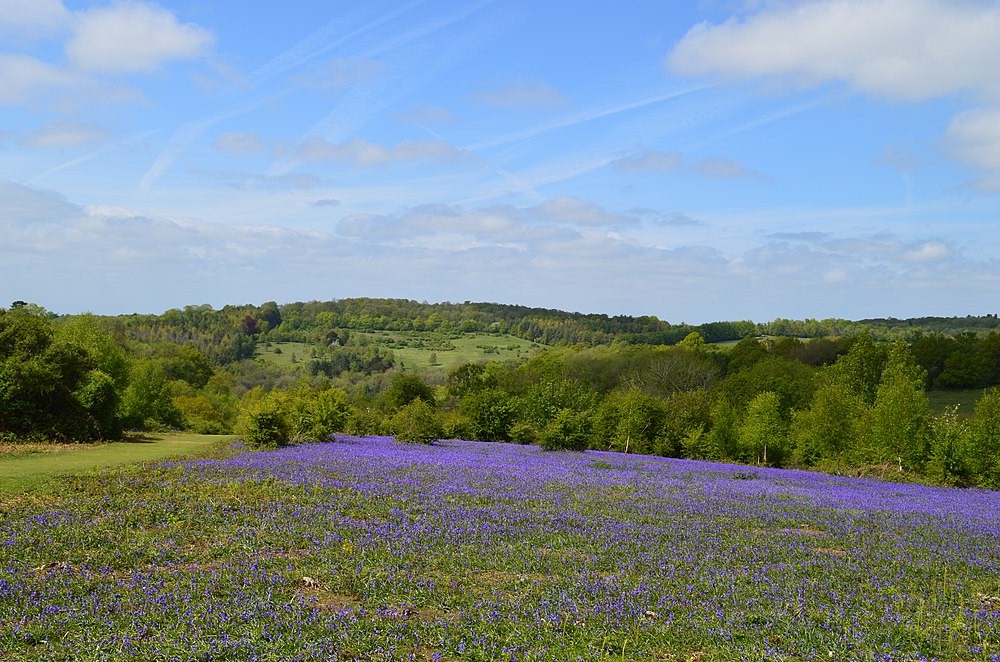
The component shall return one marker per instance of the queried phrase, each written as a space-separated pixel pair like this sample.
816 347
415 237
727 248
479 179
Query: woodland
847 397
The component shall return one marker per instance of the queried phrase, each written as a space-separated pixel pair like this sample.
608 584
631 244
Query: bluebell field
367 549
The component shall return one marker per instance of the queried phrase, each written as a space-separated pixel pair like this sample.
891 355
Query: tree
860 369
628 421
792 381
984 440
898 419
148 400
762 435
404 389
491 415
671 370
829 427
949 461
683 412
568 430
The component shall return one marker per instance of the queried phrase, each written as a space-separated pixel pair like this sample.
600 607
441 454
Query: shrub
266 425
568 430
416 423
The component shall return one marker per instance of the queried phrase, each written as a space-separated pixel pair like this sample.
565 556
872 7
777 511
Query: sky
697 160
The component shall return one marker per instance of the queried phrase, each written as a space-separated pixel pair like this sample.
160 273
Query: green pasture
416 351
29 466
286 354
965 399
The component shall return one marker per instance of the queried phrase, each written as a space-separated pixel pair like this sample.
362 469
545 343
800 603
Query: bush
568 430
416 423
523 433
266 425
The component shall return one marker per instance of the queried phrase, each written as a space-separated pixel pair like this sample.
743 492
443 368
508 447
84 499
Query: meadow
40 466
414 350
367 549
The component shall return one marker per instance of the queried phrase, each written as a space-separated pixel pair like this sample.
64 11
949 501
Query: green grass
451 352
415 350
40 466
286 354
965 399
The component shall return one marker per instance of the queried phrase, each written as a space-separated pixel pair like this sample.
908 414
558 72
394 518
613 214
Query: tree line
845 403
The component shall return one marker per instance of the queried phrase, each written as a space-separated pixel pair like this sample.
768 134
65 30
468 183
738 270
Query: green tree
898 420
491 415
683 412
860 369
829 427
949 449
627 421
404 389
568 430
147 403
984 440
763 435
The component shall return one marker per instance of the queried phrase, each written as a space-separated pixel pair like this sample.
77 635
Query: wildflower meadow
369 549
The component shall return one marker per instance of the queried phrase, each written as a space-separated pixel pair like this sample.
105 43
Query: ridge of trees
850 395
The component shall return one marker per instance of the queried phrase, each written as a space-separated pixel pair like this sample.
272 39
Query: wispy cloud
582 117
523 95
239 143
360 152
650 161
57 135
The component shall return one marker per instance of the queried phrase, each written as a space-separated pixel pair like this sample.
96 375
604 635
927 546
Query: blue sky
699 161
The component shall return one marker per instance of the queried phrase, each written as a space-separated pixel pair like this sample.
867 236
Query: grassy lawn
30 466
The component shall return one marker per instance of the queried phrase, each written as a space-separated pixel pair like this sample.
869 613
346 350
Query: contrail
83 158
310 48
189 132
585 116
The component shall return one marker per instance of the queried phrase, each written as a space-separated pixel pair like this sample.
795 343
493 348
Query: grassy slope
367 549
965 399
32 466
468 348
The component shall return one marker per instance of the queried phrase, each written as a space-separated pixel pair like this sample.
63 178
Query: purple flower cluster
369 549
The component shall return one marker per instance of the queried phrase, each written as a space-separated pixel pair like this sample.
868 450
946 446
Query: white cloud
974 137
650 161
25 205
360 152
239 143
32 17
723 169
932 251
112 259
25 77
902 49
56 135
523 94
574 211
325 202
133 37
